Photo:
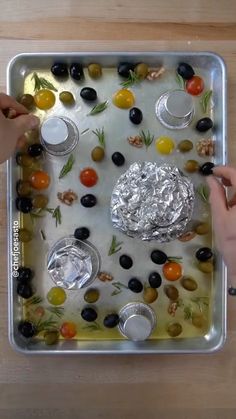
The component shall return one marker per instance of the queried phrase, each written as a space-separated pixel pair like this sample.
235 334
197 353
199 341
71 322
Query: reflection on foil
152 202
72 263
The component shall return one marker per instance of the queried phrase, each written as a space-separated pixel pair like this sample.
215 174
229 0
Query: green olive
66 98
141 70
191 166
95 71
24 160
206 267
27 101
171 292
98 154
91 295
150 295
202 228
51 337
188 283
174 329
40 201
23 188
25 235
198 320
185 145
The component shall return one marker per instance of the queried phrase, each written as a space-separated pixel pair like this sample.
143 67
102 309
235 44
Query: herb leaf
43 235
46 325
205 101
36 299
147 138
100 134
100 107
118 288
93 327
180 81
188 312
114 246
42 83
203 192
56 213
67 167
132 79
58 311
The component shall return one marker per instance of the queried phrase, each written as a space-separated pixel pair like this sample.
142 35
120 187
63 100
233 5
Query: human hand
14 125
224 215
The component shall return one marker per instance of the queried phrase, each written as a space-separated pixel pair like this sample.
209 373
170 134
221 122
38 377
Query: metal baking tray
206 64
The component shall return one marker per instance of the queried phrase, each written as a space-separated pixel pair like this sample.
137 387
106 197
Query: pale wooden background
112 386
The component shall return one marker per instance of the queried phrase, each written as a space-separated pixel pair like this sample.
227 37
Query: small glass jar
59 135
137 321
175 109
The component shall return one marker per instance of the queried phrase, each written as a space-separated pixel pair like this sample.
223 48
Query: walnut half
67 197
205 147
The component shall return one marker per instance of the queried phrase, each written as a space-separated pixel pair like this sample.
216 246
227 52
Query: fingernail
34 121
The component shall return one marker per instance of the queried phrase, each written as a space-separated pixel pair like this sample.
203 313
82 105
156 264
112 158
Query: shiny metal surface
215 338
175 109
137 321
59 136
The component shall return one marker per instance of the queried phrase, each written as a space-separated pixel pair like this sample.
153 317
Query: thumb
24 123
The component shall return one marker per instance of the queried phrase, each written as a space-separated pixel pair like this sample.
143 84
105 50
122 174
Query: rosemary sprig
188 312
43 235
114 246
56 213
180 81
100 134
201 301
147 138
67 167
36 299
203 192
58 311
93 327
118 286
132 79
100 107
205 101
42 83
46 325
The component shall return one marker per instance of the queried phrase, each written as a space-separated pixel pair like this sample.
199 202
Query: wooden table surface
121 387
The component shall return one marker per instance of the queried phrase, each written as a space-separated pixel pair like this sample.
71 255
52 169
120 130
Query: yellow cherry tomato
165 145
123 99
56 296
44 99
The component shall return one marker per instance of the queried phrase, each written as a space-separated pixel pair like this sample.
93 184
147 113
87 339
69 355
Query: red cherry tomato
172 271
68 330
195 85
88 177
40 179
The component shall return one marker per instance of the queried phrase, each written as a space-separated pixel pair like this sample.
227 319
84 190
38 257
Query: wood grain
117 386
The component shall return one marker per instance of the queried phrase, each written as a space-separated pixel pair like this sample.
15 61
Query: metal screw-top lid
175 109
59 135
137 321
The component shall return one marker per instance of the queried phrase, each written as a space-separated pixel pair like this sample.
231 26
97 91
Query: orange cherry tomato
68 330
88 177
172 271
195 85
40 179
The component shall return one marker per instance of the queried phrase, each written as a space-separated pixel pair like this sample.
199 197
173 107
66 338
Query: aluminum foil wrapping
152 202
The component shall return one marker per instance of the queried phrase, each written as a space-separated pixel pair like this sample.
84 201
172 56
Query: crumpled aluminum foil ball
152 202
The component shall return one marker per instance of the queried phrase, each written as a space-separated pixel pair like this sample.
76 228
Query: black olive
206 168
185 70
24 204
111 320
59 70
24 290
35 150
204 124
135 285
118 158
88 200
126 261
158 257
135 116
76 71
154 280
89 314
27 329
204 253
124 69
232 291
82 233
88 93
24 274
